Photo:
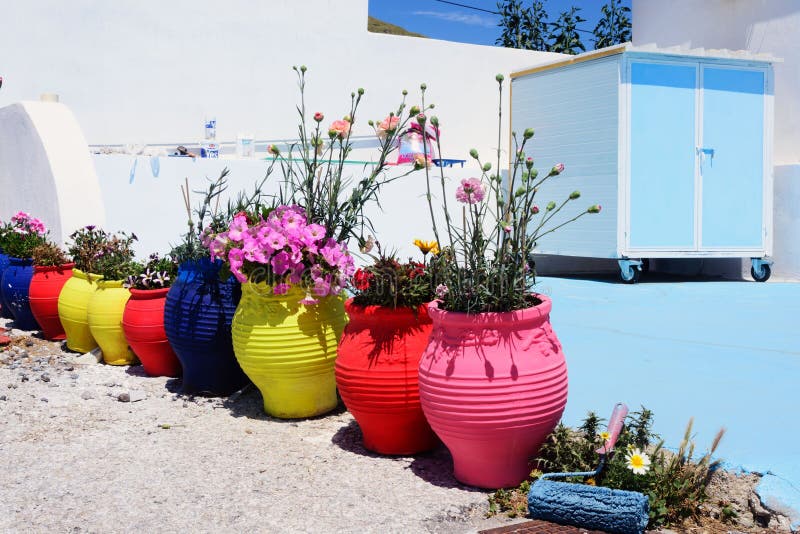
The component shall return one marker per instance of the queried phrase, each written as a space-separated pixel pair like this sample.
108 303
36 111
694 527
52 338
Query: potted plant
107 304
377 365
199 305
51 270
493 379
143 320
293 262
73 301
24 234
5 310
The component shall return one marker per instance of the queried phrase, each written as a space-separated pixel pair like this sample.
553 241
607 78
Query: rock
91 357
760 514
45 377
3 397
74 376
86 395
44 399
29 343
134 395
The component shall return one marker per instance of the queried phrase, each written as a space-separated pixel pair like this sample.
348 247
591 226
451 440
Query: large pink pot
493 386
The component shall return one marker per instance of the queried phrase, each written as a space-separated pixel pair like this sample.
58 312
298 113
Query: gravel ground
86 447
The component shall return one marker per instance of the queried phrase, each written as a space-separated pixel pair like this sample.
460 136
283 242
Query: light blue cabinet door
662 179
732 179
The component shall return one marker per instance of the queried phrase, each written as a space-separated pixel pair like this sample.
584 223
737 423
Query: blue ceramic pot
5 310
197 320
15 283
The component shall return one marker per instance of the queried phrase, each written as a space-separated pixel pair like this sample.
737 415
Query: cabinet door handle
703 152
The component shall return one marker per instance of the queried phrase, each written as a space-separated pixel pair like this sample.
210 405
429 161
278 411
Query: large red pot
46 285
493 386
376 373
143 324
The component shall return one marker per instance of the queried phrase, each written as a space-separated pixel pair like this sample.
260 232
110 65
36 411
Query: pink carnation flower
470 191
339 129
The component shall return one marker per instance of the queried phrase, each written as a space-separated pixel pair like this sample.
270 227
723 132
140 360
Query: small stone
44 399
23 377
86 395
91 357
3 397
45 377
124 397
29 343
70 368
74 376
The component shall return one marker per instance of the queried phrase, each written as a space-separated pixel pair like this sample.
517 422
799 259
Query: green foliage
675 483
614 27
115 259
48 255
486 264
389 283
87 244
157 273
564 36
205 215
513 502
314 167
22 245
524 28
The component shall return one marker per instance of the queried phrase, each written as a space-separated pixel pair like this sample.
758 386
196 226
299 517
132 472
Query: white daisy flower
637 461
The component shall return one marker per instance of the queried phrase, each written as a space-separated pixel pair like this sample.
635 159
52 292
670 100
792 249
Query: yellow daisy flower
638 462
427 246
605 436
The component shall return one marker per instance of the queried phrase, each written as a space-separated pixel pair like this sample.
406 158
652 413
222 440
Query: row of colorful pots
490 386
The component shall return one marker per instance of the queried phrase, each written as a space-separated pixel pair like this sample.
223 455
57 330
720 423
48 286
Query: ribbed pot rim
20 261
110 284
148 294
203 265
384 313
77 273
51 268
533 316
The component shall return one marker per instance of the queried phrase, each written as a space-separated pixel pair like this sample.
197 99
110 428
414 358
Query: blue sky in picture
477 23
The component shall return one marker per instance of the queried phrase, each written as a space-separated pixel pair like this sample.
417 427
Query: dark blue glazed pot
5 310
197 320
15 283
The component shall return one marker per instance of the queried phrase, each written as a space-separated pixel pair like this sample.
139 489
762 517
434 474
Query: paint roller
591 507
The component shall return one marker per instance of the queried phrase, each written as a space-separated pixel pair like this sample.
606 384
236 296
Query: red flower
362 279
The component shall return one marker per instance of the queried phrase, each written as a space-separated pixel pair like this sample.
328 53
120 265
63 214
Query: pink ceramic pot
493 386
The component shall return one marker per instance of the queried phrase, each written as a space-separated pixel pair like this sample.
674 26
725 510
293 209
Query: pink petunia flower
238 228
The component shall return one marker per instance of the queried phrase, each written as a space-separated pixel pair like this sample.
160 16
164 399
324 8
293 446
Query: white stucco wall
45 168
147 71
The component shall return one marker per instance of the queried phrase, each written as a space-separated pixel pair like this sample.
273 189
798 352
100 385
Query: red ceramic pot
376 373
493 386
143 324
46 285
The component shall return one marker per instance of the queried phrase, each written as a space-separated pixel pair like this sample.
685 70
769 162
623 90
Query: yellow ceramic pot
73 308
288 349
106 308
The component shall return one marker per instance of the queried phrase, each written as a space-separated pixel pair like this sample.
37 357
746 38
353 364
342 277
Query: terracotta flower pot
5 310
73 310
106 307
197 320
377 376
493 386
143 323
14 286
288 349
45 288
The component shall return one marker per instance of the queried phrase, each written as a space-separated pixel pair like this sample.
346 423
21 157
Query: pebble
132 396
86 395
45 377
3 397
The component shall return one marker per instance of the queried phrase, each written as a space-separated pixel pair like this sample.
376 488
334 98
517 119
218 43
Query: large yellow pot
288 350
73 308
106 308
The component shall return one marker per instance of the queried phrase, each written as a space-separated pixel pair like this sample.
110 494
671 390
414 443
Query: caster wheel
763 276
630 275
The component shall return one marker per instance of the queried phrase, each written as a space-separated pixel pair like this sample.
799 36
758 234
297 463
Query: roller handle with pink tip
615 423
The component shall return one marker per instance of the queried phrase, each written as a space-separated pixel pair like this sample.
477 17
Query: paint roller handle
615 423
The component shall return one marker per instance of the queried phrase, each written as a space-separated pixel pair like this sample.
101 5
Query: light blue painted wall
574 111
662 156
733 126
